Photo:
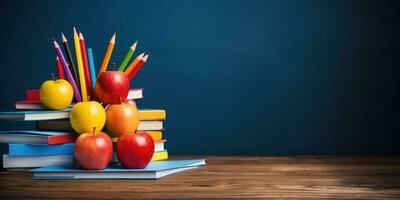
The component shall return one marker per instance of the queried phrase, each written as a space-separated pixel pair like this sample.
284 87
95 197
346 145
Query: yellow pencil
133 64
107 56
81 71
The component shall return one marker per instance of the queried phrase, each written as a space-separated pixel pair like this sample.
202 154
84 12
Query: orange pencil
133 64
107 56
138 67
85 61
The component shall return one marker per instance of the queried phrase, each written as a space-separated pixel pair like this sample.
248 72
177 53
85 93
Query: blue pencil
91 64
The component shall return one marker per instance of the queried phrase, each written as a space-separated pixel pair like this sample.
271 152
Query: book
154 170
31 105
36 161
36 149
32 101
35 115
152 114
161 155
37 137
32 94
65 125
150 125
156 135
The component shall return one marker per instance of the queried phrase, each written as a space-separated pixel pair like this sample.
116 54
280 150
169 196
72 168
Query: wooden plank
302 177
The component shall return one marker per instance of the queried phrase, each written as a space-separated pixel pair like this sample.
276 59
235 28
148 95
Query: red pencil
138 67
60 70
88 81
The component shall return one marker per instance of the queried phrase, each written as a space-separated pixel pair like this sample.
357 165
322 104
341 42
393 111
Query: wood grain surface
250 177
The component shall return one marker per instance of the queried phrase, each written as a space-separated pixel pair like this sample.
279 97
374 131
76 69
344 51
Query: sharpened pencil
107 56
85 62
71 80
92 67
70 60
133 64
138 67
81 71
128 56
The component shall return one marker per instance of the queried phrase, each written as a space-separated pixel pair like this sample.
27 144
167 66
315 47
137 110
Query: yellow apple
86 115
56 94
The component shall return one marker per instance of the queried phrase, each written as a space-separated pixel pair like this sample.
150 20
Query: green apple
56 94
86 115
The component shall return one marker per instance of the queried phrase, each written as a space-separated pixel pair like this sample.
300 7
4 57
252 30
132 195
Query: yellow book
156 135
152 115
160 155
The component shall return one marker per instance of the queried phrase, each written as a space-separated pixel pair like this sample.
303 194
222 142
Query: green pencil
127 57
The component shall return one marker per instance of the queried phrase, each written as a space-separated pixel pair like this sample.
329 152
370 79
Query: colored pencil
60 70
85 65
68 72
70 60
107 56
81 72
138 67
92 68
133 64
128 56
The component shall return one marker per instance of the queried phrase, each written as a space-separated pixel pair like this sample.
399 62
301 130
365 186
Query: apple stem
52 75
113 66
94 129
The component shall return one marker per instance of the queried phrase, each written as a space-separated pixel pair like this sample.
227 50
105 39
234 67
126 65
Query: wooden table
305 177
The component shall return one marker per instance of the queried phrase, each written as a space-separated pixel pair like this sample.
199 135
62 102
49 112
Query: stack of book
52 143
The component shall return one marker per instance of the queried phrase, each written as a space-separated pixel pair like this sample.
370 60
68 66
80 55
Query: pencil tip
133 47
113 38
64 39
144 59
55 44
80 36
75 32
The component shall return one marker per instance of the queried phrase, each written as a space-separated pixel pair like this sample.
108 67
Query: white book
150 125
36 161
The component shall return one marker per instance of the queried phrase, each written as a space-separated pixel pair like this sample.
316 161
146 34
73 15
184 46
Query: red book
62 139
85 61
32 94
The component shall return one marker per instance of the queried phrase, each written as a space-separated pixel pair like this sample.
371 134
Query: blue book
37 149
154 170
35 115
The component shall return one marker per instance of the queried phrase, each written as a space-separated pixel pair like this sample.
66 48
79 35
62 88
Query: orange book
151 114
156 135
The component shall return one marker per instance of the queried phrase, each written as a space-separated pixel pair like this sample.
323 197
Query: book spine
40 150
62 139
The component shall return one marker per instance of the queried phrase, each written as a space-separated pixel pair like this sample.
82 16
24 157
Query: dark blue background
236 77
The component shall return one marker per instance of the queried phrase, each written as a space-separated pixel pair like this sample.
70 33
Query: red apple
93 150
135 150
122 118
111 86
